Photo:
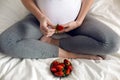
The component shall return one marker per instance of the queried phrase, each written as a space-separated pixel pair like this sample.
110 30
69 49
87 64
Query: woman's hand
46 26
70 26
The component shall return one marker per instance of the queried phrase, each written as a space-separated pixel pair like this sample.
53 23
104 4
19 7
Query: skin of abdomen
60 11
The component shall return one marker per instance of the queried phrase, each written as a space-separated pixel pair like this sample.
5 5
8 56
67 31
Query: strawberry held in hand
61 69
59 28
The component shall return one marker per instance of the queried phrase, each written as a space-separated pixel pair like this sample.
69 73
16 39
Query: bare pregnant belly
60 11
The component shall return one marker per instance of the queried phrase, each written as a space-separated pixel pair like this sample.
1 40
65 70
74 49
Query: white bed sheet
106 11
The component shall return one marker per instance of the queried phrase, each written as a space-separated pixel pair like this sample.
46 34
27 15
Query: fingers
67 28
47 31
51 25
46 27
49 34
43 29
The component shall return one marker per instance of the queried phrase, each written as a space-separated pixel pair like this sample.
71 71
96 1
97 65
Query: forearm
86 4
31 6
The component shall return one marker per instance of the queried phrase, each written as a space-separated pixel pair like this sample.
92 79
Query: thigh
26 28
30 27
95 29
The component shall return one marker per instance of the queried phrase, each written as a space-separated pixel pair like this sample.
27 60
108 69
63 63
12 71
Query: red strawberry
69 67
67 71
66 62
59 67
59 27
55 63
62 64
60 74
53 69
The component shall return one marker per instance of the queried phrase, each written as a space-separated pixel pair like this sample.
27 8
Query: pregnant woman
32 36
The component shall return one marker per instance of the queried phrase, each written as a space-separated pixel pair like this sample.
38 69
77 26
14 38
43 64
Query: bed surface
107 11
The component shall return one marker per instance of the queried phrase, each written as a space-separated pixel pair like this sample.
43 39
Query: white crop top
60 11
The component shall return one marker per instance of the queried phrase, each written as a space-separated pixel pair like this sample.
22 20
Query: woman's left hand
70 26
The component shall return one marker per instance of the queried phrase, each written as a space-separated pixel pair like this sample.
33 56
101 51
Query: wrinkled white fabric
106 11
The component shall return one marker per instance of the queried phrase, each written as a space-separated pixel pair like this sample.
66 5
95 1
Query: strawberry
62 64
69 67
53 69
59 27
55 63
67 71
59 67
60 74
66 62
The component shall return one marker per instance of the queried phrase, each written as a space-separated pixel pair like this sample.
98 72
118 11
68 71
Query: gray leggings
21 40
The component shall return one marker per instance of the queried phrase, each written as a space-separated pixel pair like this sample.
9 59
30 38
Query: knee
7 41
4 42
22 25
111 47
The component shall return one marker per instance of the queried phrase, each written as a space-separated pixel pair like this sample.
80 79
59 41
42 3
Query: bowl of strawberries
61 67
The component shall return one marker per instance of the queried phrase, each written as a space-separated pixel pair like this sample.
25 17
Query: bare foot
65 54
50 40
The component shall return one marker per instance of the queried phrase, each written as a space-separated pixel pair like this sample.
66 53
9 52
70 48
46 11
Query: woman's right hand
46 26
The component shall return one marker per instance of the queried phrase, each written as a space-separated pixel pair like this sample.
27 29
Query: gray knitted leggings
92 37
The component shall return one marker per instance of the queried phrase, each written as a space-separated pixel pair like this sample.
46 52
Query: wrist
41 17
